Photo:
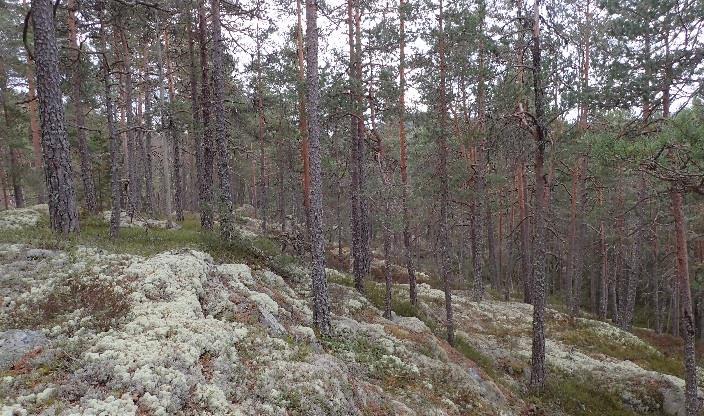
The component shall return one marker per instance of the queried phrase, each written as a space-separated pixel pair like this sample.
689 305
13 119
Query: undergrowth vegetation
578 397
587 339
571 394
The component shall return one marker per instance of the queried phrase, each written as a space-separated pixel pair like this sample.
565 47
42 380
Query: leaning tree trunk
319 285
63 214
79 112
226 204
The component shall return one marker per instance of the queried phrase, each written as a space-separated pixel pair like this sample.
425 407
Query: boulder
16 343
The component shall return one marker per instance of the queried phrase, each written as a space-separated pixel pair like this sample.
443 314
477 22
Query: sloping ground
177 333
595 352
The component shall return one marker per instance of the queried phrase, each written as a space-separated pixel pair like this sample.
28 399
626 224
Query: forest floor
174 321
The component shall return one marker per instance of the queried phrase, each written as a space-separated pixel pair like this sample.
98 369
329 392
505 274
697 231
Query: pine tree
63 213
319 289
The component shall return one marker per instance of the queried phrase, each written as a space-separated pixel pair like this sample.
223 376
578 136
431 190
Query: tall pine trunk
526 268
443 232
221 137
358 227
79 112
263 201
537 375
149 201
134 192
34 129
302 116
12 151
63 214
319 285
175 137
685 294
208 154
403 156
166 172
197 123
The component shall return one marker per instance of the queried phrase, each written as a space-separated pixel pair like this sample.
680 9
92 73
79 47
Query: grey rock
267 319
38 253
15 343
673 401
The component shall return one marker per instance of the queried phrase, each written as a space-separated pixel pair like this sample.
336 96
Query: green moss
483 361
95 232
577 396
293 401
340 278
587 339
400 303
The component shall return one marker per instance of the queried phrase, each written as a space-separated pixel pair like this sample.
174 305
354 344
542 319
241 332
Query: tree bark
685 294
12 152
302 116
149 202
604 277
526 269
403 157
206 190
575 260
115 179
197 122
134 192
359 212
3 186
537 375
443 232
79 112
63 214
175 137
34 129
227 229
319 289
263 202
635 271
656 278
168 200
